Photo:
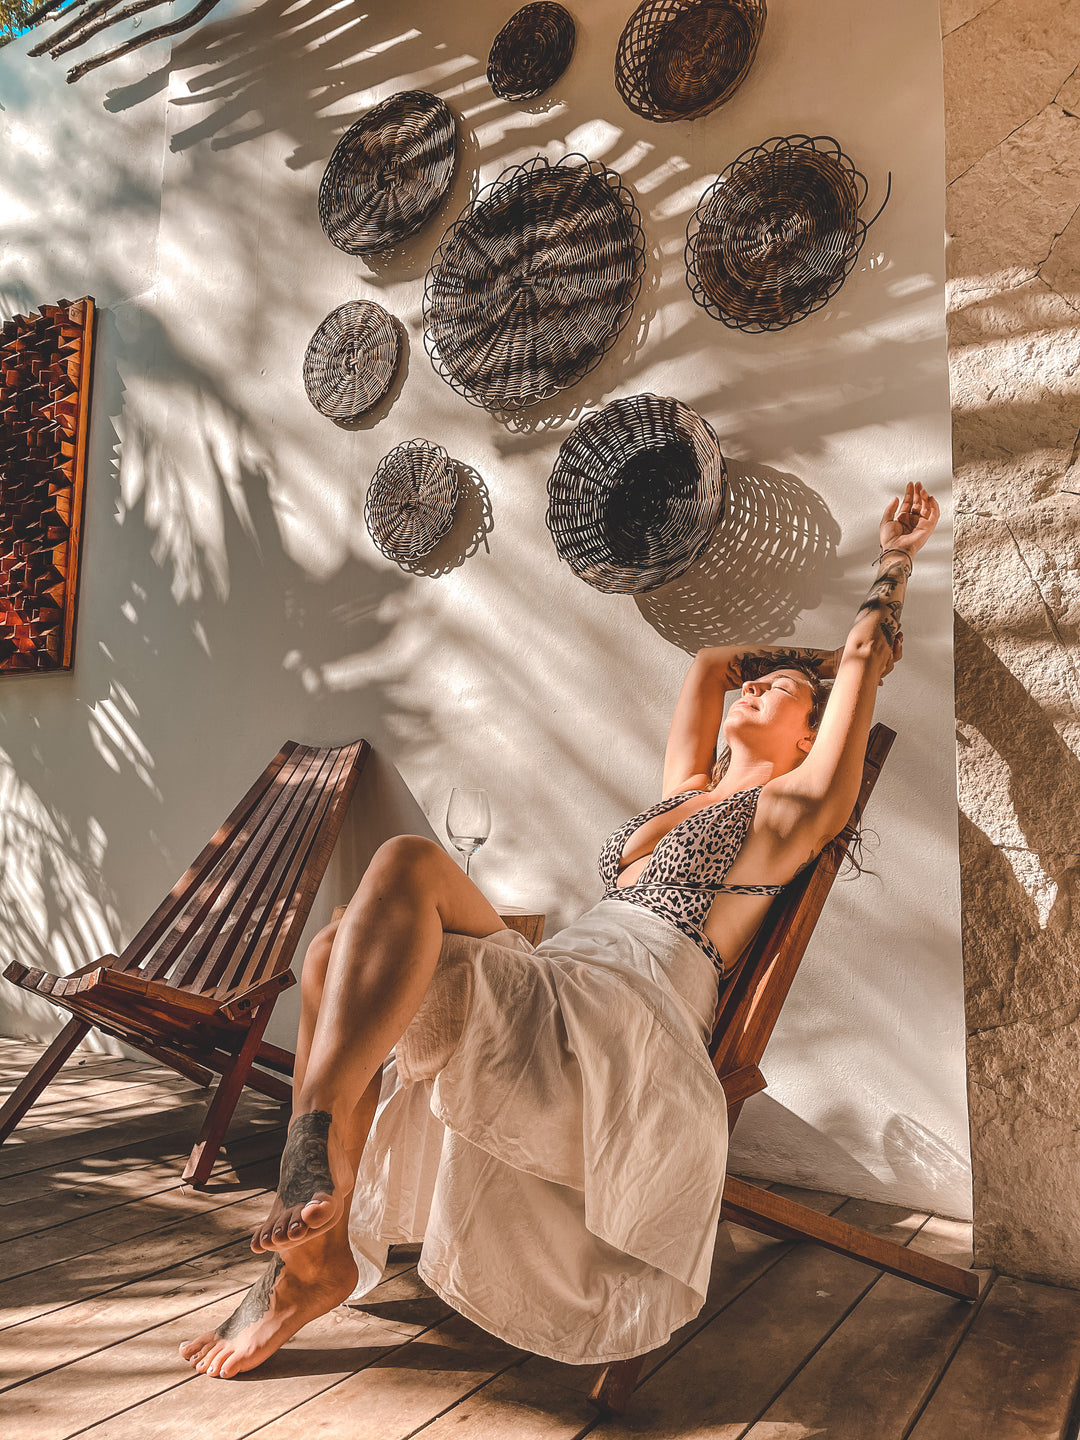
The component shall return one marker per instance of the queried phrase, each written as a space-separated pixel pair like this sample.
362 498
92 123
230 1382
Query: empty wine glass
468 821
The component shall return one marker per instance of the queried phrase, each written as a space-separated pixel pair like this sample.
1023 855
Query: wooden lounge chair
749 1006
197 985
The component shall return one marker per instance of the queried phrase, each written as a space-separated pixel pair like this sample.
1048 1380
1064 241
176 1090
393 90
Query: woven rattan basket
388 173
636 491
774 238
531 51
533 282
679 59
351 360
410 501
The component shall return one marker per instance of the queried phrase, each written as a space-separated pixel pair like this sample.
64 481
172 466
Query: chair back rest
750 1003
234 918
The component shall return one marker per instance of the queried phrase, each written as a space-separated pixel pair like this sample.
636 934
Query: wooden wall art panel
45 364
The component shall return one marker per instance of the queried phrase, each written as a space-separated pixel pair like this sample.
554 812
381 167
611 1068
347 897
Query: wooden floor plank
38 1346
140 1387
723 1379
29 1150
1015 1374
126 1190
401 1391
86 1072
114 1144
57 1286
197 1295
71 1114
874 1373
142 1216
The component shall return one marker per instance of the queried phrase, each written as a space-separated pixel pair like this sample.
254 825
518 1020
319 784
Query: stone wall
1012 99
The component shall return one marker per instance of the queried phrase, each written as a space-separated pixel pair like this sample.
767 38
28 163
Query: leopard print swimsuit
688 865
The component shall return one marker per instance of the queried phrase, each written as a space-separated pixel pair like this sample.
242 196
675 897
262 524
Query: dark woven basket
351 360
388 173
679 59
636 491
774 238
533 282
410 501
531 51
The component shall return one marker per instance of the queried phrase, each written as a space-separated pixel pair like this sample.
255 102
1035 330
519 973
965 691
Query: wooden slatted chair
197 985
749 1007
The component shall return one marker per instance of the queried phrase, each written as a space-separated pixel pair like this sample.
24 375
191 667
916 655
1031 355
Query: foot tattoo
305 1165
255 1303
313 1186
274 1309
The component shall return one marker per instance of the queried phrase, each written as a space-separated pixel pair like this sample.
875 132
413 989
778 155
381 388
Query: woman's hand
908 523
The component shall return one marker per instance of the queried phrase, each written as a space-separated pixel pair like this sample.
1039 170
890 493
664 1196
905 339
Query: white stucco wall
231 597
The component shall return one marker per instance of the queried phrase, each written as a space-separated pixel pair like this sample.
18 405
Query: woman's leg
380 965
384 949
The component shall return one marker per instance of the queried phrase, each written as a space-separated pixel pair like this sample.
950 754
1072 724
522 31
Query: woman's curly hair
752 667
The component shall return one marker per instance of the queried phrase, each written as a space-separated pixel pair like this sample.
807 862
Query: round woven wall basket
679 59
531 51
351 360
774 238
636 492
533 283
388 173
411 499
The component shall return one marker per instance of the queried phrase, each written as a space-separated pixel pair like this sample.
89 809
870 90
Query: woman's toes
194 1350
318 1213
208 1357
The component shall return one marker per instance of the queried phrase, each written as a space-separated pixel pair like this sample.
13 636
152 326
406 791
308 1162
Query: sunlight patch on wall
54 910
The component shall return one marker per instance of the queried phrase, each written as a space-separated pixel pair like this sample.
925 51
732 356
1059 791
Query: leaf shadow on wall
766 563
281 67
82 864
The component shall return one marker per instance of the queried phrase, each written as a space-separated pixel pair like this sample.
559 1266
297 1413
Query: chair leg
36 1079
219 1112
612 1391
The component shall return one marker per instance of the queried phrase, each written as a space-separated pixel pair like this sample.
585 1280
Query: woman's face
773 711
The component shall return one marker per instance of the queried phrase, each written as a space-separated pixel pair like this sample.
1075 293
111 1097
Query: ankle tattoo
255 1303
305 1167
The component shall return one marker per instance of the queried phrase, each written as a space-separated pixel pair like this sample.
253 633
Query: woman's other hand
909 522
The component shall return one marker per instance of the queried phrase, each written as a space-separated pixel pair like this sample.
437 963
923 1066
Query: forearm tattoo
886 598
305 1167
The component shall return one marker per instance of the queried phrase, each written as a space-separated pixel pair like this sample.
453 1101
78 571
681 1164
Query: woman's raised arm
830 776
699 710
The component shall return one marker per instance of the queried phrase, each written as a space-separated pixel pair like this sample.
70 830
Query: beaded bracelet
894 550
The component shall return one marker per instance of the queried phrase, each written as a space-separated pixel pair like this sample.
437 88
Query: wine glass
468 821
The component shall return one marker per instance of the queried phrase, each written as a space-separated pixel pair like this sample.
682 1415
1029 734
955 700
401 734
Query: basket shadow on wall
767 562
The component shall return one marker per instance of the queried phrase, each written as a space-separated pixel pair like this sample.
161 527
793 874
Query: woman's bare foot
288 1294
314 1186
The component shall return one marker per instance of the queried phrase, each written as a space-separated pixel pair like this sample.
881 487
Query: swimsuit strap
719 889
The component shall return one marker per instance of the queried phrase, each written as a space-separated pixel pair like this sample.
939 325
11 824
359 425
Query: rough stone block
1002 67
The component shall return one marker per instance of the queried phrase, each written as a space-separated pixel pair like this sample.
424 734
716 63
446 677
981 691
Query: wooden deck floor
107 1262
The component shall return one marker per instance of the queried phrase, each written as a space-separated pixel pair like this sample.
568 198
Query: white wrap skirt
551 1128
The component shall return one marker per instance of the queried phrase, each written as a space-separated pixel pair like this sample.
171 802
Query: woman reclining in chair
549 1122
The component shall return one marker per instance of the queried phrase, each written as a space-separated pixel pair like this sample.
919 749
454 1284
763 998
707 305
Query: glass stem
468 858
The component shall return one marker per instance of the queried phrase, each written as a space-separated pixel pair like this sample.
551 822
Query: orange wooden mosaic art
45 363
